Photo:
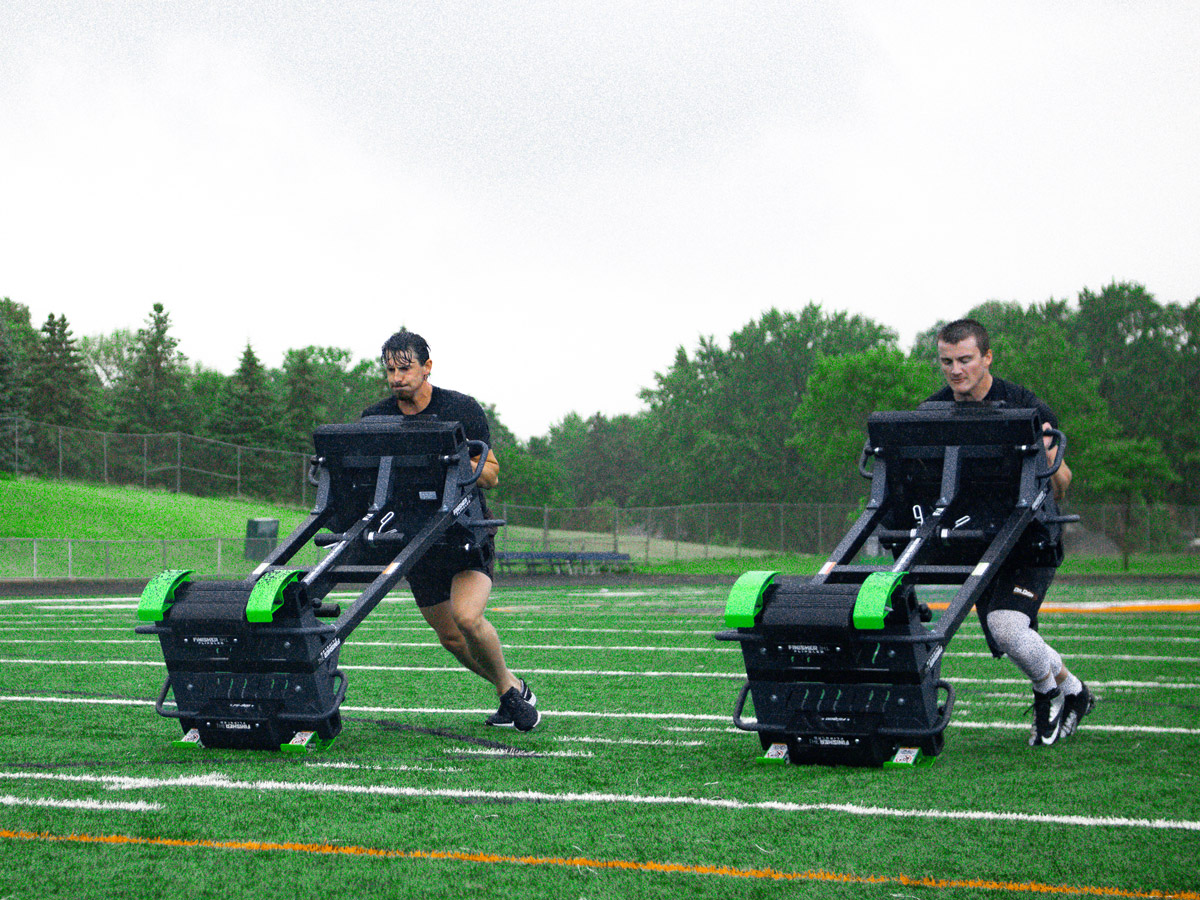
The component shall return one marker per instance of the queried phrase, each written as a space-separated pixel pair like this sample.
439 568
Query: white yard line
101 805
218 781
586 673
517 751
628 742
588 714
1116 657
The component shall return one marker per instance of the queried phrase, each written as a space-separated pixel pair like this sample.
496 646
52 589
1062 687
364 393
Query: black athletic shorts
431 577
1018 588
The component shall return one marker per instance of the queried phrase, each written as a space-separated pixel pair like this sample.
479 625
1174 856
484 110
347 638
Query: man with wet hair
452 584
1008 611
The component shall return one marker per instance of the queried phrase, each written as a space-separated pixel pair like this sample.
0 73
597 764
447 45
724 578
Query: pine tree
18 344
150 396
250 412
64 390
304 404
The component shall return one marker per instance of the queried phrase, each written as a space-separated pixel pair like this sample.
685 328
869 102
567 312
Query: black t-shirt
1009 392
446 406
1018 397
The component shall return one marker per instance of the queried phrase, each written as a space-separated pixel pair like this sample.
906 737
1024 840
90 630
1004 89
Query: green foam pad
874 599
745 598
267 594
159 593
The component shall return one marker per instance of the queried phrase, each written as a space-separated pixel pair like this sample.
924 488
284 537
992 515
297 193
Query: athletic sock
1072 685
1046 685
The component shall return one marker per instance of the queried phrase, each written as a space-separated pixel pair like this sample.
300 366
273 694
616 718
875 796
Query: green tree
526 479
206 391
65 391
321 385
304 398
249 413
1134 472
718 421
150 396
1129 340
1181 436
603 458
109 357
842 392
18 348
1032 346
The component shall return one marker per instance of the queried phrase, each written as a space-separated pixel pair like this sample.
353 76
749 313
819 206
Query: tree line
776 413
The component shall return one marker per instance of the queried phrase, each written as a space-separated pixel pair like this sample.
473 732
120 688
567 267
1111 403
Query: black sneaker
501 719
1047 717
524 714
1075 708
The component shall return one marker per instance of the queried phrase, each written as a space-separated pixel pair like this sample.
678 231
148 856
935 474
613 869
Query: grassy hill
57 510
33 508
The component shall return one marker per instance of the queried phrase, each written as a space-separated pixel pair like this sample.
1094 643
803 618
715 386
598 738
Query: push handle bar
480 449
1059 441
867 450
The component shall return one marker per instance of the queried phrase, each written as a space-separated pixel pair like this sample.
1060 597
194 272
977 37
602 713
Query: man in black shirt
1008 611
452 584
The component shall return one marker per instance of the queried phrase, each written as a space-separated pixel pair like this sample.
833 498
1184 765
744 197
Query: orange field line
1173 606
628 865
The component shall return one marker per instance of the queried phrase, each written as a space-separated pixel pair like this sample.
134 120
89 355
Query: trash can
262 535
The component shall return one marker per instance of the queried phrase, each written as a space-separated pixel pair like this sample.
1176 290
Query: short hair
405 343
961 329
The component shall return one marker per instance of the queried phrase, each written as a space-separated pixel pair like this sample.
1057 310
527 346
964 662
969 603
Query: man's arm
491 470
1061 479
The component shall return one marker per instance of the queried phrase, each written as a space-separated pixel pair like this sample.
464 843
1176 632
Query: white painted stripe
452 670
223 782
107 606
561 713
1113 684
58 602
1114 657
400 768
1102 605
583 673
509 646
73 641
98 701
103 805
1115 729
587 714
589 673
628 741
574 630
81 662
518 751
1099 638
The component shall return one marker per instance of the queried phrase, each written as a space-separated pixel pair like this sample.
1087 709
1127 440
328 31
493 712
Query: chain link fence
172 461
647 534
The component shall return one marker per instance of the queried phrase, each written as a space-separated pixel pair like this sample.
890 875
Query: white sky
557 194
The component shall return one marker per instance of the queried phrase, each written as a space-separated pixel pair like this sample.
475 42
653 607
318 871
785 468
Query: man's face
405 375
965 368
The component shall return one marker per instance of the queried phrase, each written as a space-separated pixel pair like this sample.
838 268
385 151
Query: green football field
637 785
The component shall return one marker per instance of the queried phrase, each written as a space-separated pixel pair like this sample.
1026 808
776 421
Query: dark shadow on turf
500 748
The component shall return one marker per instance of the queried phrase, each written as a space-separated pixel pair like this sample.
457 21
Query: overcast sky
557 195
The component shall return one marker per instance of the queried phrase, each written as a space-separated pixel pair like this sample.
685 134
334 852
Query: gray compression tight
1024 646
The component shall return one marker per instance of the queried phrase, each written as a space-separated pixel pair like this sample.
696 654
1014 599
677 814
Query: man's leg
1013 634
469 592
441 618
